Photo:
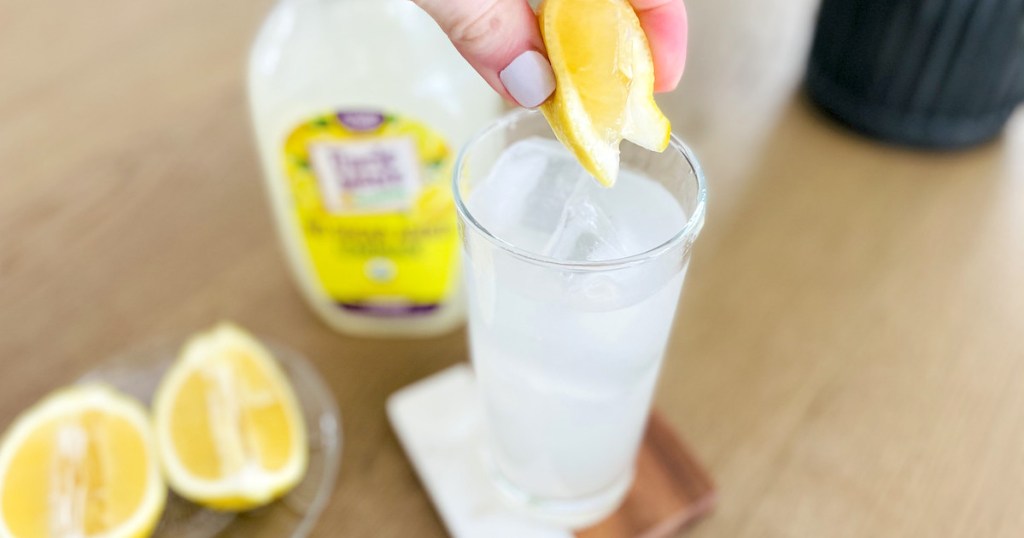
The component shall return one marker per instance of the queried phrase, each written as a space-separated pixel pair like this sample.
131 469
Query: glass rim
688 231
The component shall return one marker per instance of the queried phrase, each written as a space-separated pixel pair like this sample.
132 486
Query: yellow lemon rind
565 114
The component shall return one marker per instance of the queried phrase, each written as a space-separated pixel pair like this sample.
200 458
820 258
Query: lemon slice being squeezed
604 82
228 426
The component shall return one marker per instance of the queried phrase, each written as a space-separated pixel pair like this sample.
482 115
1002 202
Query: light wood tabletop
848 358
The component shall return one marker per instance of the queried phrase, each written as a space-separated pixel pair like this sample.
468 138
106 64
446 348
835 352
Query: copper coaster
671 489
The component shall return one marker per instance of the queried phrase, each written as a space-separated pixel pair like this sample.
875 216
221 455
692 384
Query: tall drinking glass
572 292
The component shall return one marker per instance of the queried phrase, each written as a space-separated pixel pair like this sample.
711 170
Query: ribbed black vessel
930 73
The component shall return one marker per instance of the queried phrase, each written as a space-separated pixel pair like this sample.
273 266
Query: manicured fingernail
529 79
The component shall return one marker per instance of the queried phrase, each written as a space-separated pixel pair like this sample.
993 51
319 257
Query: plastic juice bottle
359 107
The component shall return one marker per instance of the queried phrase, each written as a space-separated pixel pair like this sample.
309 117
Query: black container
930 73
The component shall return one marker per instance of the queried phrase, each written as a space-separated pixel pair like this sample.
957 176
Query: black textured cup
930 73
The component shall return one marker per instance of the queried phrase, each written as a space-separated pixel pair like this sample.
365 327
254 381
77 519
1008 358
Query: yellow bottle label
374 207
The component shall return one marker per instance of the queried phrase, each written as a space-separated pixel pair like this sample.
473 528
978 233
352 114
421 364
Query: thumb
500 39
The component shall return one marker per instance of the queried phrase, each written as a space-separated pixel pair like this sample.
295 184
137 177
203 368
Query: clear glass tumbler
567 353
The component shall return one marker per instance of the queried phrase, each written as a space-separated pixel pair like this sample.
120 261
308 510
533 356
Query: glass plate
137 372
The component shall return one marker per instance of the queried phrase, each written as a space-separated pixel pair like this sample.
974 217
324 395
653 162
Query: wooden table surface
849 351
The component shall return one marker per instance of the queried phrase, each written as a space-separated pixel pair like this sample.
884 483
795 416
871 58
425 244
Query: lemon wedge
82 462
228 425
604 82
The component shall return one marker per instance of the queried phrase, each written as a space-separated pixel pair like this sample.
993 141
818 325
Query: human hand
501 40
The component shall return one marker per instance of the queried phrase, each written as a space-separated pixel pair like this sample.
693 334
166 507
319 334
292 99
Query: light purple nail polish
529 79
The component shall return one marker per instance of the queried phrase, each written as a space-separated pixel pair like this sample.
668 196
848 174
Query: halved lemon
82 462
604 82
228 425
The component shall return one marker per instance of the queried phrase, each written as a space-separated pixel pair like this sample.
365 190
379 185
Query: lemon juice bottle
358 108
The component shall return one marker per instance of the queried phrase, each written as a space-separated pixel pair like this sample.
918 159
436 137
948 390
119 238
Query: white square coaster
439 421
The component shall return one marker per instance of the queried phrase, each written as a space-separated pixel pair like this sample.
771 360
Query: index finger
664 23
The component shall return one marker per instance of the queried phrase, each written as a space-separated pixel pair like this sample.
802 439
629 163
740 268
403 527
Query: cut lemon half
604 82
228 426
82 463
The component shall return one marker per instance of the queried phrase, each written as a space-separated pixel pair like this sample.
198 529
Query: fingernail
528 79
